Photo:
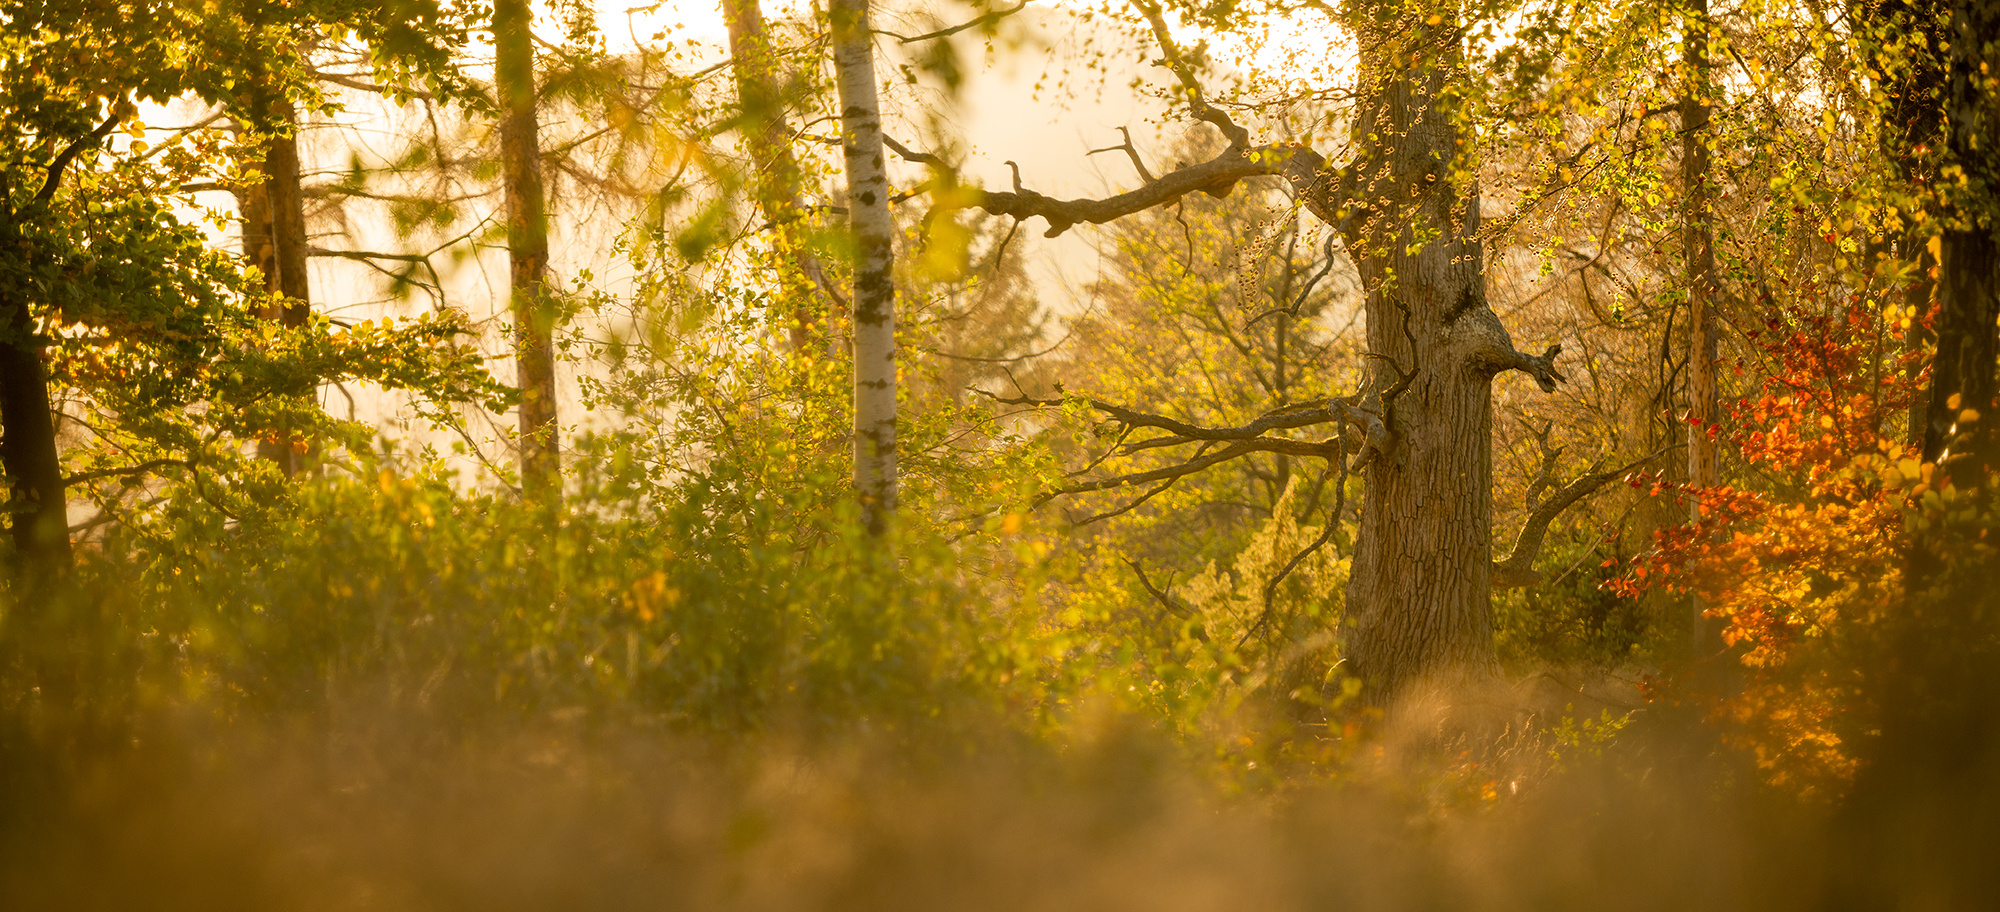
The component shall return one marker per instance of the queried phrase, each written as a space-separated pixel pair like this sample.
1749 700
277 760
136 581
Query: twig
993 16
1325 535
1130 152
140 469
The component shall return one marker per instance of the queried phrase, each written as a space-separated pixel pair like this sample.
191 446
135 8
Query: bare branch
1136 502
911 155
1542 367
1296 416
974 22
1131 152
1545 477
1217 176
69 153
1239 138
128 471
1519 568
368 255
1321 192
1305 292
1325 535
1167 601
373 88
1241 440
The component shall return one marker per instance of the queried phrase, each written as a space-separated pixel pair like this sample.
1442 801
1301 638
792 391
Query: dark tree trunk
38 510
1959 415
1924 817
527 248
1913 121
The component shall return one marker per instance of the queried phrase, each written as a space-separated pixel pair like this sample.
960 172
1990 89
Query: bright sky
1056 86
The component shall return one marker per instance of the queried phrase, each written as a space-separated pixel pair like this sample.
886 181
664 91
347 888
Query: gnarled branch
1519 568
1497 356
1131 151
1241 440
1217 176
1322 191
1171 56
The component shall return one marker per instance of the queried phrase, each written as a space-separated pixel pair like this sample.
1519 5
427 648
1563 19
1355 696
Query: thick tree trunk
527 248
874 289
274 240
1962 373
1419 595
770 149
38 510
1698 252
1924 815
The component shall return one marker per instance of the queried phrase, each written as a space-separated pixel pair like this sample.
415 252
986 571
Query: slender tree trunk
1698 252
874 289
1918 296
274 240
770 148
1912 122
532 308
1419 595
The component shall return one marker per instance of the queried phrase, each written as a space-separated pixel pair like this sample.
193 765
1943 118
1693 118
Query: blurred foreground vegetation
383 690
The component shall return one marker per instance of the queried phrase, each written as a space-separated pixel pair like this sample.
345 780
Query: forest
965 454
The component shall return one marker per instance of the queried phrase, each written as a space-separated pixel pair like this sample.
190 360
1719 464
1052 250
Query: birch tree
872 232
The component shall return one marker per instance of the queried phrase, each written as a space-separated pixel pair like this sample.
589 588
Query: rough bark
761 98
874 300
1698 254
532 307
1420 587
1419 594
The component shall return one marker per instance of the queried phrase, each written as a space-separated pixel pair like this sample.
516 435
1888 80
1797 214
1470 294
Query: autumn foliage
1800 567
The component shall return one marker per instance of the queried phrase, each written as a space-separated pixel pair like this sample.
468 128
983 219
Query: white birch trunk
874 289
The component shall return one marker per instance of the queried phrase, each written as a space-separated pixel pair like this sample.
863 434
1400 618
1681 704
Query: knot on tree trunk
1542 367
